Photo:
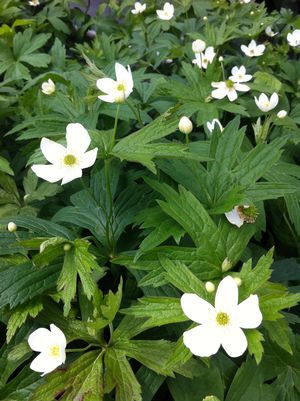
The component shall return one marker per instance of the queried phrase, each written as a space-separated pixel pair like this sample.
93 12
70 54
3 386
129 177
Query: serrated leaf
255 348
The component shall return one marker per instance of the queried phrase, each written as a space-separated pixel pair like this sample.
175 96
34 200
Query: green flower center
229 84
248 213
222 319
121 87
69 160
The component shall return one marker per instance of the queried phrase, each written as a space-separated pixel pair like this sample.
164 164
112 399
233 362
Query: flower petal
53 151
106 85
48 172
78 139
89 158
40 339
248 314
232 95
44 364
219 93
58 335
122 74
227 295
234 218
234 341
202 340
241 87
108 98
196 308
274 100
71 174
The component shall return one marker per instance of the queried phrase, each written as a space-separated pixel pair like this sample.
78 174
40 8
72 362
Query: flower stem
187 141
136 113
109 225
115 126
81 349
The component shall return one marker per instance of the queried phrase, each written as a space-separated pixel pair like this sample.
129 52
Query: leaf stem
81 349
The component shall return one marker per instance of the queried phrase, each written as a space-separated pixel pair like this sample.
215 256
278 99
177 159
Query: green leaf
267 81
255 348
280 333
5 167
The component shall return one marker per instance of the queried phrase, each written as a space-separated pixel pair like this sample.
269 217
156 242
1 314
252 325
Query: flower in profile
198 46
239 75
185 125
264 103
222 324
52 345
211 125
66 163
119 90
48 87
228 88
242 214
294 38
34 3
203 59
167 12
253 50
138 8
269 31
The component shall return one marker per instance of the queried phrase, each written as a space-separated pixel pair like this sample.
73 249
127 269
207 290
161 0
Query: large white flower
222 324
294 38
228 88
253 50
167 12
119 90
203 59
239 74
242 214
264 103
66 162
138 8
52 345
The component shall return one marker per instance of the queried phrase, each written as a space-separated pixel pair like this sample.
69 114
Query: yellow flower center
229 84
248 213
55 351
121 87
222 319
69 160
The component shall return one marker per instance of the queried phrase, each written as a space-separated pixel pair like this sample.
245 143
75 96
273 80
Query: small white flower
222 324
34 3
282 114
119 90
242 214
203 59
228 88
294 38
185 125
11 227
270 32
253 50
210 287
239 74
166 13
51 344
138 8
211 125
244 1
66 163
198 46
48 87
264 103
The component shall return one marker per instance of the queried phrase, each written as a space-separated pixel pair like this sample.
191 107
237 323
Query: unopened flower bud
226 265
91 33
211 398
67 247
238 281
198 46
205 18
281 114
11 226
221 59
48 87
209 286
26 197
185 125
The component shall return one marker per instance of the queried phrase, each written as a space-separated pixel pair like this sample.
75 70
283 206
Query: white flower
66 163
227 88
239 74
51 344
282 114
244 1
253 50
202 59
211 125
138 8
34 3
167 12
11 227
119 90
48 87
264 104
270 32
242 214
185 125
198 46
222 324
294 38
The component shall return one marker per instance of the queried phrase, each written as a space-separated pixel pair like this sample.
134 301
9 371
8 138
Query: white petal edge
53 151
234 218
122 74
248 314
89 158
48 172
196 308
78 139
234 342
106 85
59 335
71 174
40 339
44 364
227 295
202 340
108 98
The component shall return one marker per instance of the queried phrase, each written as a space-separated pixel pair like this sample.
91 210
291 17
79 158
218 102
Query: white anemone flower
239 74
269 31
242 214
203 59
34 3
294 38
48 87
119 90
222 324
167 12
228 88
211 125
52 345
264 103
138 8
66 163
253 50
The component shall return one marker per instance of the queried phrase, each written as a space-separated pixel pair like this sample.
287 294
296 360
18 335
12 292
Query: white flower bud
281 114
26 197
238 281
209 286
205 18
185 125
67 247
48 87
11 226
198 46
226 265
221 59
